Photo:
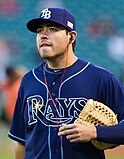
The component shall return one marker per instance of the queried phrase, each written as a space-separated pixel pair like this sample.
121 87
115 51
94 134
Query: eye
39 30
53 29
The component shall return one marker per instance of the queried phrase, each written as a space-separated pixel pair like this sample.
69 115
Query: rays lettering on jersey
66 111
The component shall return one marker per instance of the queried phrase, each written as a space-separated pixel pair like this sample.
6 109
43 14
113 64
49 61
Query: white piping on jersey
63 81
15 137
40 82
74 76
49 134
121 121
61 87
38 78
58 96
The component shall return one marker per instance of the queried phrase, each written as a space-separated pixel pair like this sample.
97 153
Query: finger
65 127
72 137
77 140
63 132
60 133
74 140
62 128
67 132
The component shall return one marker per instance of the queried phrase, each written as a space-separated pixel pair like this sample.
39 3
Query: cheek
37 43
61 42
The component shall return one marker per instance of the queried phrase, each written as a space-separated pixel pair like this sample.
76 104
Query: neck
62 61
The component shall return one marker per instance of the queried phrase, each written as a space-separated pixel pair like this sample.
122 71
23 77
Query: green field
10 155
7 152
6 156
7 147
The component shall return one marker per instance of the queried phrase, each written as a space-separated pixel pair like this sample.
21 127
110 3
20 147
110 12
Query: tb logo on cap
46 14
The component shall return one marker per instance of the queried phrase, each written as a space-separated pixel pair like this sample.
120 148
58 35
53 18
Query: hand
78 132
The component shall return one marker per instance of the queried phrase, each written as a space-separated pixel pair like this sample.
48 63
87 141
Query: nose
44 33
44 36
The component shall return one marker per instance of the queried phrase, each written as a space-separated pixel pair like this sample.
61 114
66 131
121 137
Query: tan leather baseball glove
97 114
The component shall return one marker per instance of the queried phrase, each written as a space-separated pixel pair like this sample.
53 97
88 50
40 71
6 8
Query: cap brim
33 24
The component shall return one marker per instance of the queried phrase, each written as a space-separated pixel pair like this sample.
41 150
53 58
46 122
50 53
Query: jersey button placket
53 83
56 149
53 94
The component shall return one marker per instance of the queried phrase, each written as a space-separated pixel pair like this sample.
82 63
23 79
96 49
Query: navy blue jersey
36 118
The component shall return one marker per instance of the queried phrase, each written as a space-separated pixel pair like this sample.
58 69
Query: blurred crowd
9 90
101 41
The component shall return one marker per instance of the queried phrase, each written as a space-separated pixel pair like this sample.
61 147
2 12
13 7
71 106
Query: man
55 92
9 90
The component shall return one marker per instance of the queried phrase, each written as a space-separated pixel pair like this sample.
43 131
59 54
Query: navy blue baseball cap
57 15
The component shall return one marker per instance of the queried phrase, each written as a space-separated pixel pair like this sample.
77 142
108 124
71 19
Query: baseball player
55 92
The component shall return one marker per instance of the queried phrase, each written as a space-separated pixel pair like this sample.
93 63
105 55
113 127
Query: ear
73 36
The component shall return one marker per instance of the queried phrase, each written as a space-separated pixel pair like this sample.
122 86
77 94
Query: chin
45 56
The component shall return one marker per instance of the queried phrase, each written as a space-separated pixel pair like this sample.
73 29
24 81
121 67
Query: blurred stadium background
100 28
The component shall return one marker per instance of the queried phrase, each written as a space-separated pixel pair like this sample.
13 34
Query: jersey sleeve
113 94
17 129
111 134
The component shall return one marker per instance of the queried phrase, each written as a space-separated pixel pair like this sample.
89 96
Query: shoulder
104 75
95 72
30 75
99 70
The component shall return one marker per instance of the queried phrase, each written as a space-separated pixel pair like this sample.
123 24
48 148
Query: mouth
45 45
